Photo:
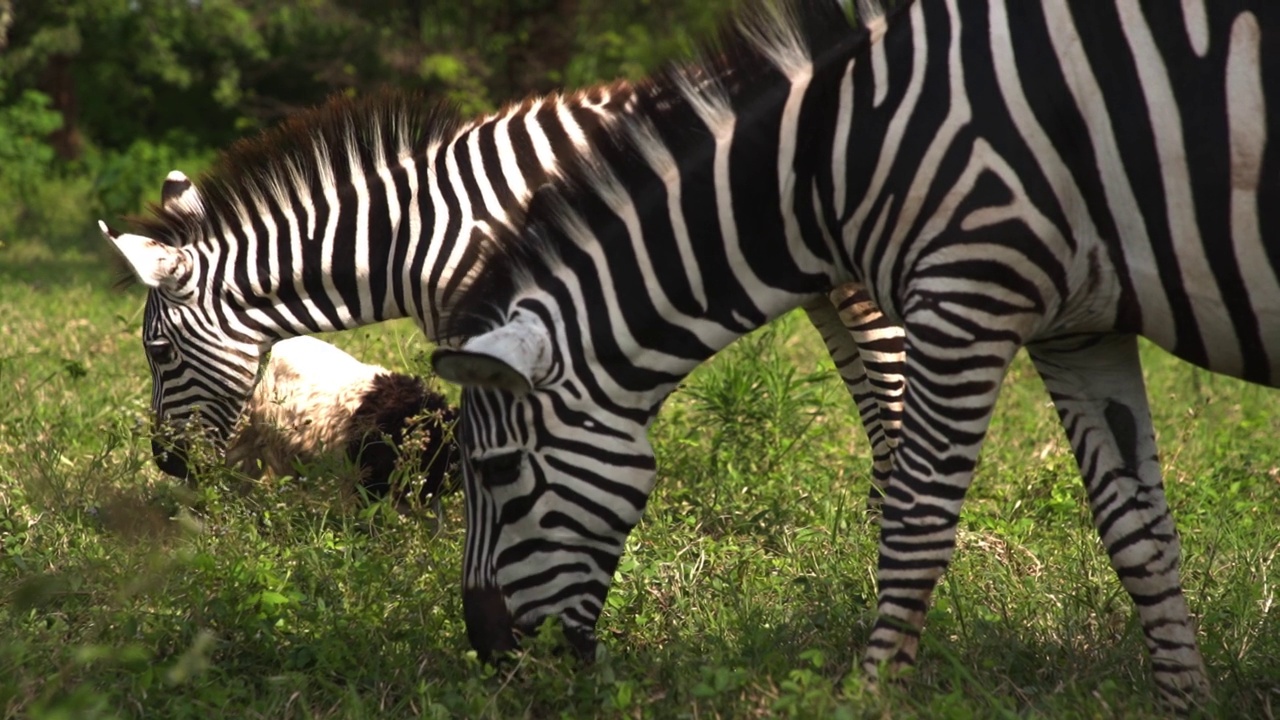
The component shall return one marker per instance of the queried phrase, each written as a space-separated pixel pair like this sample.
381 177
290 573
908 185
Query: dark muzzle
493 633
489 625
170 457
582 641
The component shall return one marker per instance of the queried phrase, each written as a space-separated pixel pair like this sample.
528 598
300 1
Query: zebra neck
762 238
338 262
683 241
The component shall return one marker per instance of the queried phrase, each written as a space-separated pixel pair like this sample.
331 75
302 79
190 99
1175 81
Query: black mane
736 62
391 121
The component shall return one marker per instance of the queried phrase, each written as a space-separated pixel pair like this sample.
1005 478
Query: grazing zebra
371 210
1062 176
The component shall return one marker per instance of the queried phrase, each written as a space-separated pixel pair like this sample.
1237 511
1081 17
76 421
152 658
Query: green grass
747 591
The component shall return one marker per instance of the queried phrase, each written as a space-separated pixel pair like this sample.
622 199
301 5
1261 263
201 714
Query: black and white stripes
358 212
1059 175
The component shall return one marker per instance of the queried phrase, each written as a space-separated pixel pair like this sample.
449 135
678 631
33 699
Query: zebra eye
501 469
161 352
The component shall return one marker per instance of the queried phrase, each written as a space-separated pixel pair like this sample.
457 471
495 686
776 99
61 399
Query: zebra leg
954 368
845 353
880 345
1096 385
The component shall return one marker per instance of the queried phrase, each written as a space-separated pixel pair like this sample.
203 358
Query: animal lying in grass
316 406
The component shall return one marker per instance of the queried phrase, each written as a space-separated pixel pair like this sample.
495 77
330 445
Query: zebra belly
1229 325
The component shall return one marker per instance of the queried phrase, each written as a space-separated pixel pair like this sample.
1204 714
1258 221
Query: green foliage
25 159
748 433
127 70
618 40
124 181
116 93
455 82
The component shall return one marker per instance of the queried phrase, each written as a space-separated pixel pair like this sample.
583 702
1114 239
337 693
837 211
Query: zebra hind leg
844 353
867 351
952 381
1097 387
880 344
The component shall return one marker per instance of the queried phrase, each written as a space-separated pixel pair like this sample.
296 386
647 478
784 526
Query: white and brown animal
317 406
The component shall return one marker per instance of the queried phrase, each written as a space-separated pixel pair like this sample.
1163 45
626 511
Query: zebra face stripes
214 393
207 398
563 500
1061 175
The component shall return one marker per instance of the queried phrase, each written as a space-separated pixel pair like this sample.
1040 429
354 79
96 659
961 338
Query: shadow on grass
998 668
355 611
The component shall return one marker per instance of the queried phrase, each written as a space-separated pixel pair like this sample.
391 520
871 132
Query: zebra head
201 374
554 484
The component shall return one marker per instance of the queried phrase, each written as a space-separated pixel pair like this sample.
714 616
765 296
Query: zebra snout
583 642
489 624
170 457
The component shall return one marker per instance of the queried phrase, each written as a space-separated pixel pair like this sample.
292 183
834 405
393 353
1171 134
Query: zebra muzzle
170 456
490 628
583 642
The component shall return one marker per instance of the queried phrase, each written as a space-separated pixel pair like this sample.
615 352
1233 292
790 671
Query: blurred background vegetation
99 99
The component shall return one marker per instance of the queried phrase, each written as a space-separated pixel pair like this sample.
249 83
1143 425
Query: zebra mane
324 145
764 41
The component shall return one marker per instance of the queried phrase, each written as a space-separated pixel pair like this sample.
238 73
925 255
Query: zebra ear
179 195
509 358
153 263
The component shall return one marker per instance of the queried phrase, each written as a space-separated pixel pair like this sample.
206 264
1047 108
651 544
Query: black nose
583 642
170 457
489 625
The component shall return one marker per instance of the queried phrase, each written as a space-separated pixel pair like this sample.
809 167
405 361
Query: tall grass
748 590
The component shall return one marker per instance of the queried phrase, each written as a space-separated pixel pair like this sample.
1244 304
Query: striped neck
379 220
706 216
321 258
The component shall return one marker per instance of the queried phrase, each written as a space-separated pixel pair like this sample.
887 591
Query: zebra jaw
508 358
153 263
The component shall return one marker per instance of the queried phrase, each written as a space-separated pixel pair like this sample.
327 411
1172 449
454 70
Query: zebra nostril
489 624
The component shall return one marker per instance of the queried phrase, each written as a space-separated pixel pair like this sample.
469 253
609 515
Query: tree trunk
6 21
58 82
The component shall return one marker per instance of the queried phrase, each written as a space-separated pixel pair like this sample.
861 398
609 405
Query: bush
26 160
53 202
125 180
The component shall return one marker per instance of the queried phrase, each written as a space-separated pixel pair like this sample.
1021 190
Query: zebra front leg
880 344
1096 385
953 373
845 353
